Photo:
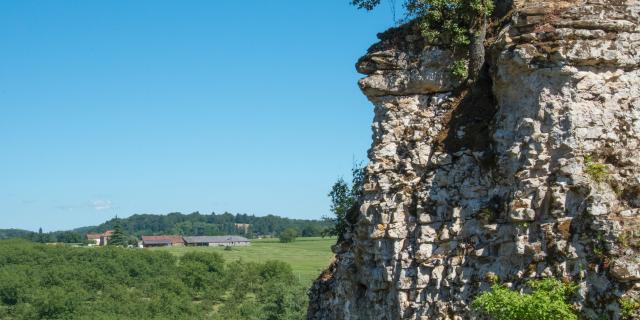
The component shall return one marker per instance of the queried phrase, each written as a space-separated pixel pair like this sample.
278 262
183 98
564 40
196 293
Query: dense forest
194 224
58 282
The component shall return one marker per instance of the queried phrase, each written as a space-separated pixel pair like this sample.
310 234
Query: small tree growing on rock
344 202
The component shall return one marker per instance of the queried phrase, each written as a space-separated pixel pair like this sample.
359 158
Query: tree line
194 224
42 237
210 224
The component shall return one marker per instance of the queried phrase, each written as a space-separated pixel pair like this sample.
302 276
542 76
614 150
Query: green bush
629 307
597 171
547 301
460 69
288 235
54 282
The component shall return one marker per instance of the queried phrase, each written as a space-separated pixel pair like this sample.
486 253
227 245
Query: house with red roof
99 239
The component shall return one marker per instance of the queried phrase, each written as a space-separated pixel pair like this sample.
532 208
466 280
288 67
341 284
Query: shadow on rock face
470 123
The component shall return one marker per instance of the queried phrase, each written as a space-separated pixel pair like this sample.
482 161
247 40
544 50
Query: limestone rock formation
532 172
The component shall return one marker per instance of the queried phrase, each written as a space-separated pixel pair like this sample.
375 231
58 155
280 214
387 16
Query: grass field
307 256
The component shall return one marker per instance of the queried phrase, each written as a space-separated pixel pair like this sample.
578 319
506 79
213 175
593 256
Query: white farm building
213 241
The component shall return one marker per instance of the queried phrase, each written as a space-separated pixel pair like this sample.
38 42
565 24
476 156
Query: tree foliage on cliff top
458 24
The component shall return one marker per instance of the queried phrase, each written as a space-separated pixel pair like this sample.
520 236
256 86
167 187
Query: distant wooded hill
13 233
182 224
57 236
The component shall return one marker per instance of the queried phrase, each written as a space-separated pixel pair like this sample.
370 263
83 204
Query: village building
213 241
99 239
161 241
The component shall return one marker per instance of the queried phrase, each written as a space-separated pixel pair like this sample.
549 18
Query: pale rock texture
501 179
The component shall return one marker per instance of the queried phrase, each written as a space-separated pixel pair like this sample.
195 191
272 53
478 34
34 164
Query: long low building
161 241
213 241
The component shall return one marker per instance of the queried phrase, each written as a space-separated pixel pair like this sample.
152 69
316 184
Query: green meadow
307 256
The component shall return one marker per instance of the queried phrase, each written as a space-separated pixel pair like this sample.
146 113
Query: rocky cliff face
534 171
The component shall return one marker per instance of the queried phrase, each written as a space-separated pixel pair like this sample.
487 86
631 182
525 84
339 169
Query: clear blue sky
122 107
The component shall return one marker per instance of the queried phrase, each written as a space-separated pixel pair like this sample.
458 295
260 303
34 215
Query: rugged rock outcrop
532 172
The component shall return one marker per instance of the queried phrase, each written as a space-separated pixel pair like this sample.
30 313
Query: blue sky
123 107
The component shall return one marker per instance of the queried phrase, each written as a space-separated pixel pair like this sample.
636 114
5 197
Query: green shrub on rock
546 301
597 171
629 307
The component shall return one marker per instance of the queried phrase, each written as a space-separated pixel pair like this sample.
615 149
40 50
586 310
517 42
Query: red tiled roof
173 239
95 236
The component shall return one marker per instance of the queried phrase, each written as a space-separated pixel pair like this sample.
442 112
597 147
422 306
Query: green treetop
344 202
118 238
288 235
